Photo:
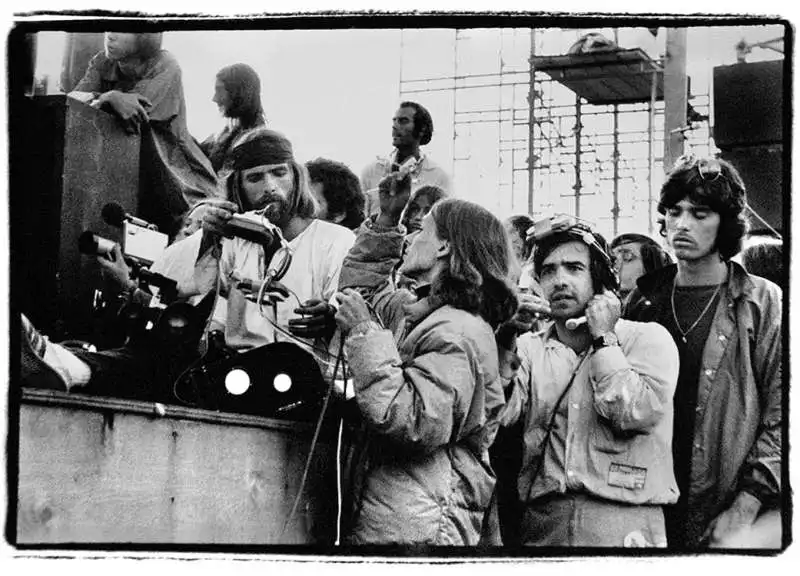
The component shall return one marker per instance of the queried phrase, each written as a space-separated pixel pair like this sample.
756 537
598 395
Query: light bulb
282 382
237 381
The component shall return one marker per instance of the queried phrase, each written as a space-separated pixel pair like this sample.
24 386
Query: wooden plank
110 475
54 398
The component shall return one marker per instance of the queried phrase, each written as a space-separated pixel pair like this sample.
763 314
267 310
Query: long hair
301 200
521 224
244 89
723 193
476 277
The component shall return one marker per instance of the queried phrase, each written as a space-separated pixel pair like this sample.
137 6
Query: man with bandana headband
267 182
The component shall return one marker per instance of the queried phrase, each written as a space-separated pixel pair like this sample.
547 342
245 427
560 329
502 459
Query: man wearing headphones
595 395
412 127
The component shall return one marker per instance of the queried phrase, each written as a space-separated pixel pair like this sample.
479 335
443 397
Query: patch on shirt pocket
624 476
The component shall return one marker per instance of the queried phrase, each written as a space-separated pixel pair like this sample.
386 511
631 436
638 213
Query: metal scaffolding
537 131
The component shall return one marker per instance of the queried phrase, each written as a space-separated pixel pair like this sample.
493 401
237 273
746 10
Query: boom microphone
115 215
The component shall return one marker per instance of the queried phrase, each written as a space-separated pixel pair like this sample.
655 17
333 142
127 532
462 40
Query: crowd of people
514 383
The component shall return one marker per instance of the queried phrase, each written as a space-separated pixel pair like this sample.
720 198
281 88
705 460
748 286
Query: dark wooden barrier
67 161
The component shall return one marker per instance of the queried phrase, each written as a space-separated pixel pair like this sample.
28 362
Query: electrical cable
339 482
313 446
295 339
339 495
551 424
764 222
180 377
194 364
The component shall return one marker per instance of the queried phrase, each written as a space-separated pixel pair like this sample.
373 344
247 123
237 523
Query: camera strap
551 424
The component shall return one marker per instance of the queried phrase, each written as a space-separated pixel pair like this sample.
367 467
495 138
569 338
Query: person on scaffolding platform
425 371
141 84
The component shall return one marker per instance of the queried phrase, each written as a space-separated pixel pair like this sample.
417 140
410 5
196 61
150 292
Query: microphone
574 323
91 244
115 215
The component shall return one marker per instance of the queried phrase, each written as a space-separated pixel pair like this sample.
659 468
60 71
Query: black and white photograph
491 288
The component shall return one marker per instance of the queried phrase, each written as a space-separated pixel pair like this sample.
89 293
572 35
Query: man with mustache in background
412 127
727 325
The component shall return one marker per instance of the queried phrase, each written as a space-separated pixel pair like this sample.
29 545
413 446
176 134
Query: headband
269 148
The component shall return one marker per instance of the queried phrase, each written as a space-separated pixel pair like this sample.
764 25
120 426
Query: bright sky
332 92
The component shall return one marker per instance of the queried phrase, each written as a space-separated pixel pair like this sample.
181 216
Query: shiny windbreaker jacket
428 395
737 442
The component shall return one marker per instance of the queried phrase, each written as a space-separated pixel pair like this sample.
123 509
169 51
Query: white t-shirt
318 253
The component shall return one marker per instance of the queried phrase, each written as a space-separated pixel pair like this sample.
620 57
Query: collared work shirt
613 429
427 173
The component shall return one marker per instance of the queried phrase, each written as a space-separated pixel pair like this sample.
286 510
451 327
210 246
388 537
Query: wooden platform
607 77
104 470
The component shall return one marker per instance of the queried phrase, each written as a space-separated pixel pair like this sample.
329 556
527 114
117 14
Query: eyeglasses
709 169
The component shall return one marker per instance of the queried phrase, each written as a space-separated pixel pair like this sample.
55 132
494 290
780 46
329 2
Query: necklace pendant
684 339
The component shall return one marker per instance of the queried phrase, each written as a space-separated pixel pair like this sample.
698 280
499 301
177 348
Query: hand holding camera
394 192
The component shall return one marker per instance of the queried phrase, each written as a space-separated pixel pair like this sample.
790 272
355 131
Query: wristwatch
607 339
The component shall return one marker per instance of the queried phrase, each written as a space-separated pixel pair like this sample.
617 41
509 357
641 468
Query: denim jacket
737 441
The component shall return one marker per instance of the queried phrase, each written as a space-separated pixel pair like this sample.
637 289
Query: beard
276 209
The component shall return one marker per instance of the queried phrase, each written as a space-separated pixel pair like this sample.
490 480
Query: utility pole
531 123
615 205
676 96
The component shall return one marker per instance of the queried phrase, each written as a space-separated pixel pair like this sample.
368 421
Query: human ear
443 249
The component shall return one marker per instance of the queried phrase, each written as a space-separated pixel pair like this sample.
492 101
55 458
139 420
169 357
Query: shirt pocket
605 440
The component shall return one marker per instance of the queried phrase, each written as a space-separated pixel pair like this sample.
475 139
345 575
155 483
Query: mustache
561 295
271 207
683 238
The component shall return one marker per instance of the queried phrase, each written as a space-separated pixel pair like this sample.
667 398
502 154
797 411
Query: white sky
333 92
